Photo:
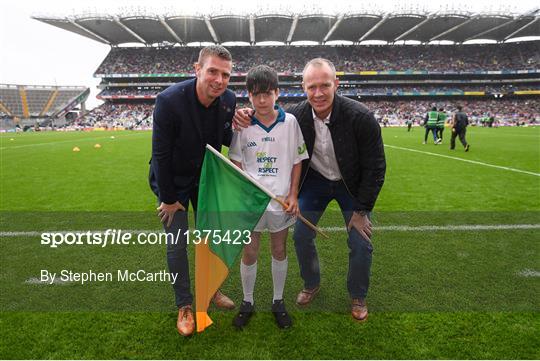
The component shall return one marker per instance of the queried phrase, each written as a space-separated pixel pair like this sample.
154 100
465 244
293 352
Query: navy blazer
177 140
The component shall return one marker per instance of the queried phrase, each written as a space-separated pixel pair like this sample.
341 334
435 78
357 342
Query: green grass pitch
468 289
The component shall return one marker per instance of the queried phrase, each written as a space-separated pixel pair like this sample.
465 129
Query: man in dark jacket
346 164
459 128
187 116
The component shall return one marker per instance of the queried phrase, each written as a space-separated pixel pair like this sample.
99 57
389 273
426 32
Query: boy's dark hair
459 108
261 79
214 50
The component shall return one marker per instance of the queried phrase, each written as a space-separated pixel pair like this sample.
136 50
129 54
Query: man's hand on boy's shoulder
242 118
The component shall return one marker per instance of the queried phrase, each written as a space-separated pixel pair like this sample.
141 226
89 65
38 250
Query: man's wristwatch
362 213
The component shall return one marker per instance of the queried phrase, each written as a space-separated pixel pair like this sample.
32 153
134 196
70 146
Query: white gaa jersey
268 154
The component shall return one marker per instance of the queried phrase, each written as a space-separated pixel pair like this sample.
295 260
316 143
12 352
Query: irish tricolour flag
230 205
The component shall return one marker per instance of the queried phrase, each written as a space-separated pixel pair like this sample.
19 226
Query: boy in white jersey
271 151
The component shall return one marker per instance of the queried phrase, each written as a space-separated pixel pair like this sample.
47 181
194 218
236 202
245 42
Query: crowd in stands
148 60
505 111
129 91
395 89
445 88
112 115
291 59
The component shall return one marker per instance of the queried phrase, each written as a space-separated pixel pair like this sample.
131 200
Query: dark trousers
314 197
439 133
177 256
433 130
461 134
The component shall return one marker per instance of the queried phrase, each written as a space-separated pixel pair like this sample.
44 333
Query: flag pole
302 218
264 189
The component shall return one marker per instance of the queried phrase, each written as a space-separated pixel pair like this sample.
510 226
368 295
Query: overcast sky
35 53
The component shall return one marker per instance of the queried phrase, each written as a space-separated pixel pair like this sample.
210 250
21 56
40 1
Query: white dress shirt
323 159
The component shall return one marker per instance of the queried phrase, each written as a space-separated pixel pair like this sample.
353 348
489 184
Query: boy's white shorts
274 219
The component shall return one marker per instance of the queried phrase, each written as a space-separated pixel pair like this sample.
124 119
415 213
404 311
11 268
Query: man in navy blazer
187 116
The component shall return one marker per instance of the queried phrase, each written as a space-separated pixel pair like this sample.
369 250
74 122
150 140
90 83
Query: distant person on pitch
430 123
441 121
271 151
459 129
408 122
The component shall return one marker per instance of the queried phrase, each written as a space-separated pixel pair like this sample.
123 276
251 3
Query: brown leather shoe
185 323
222 301
306 296
359 309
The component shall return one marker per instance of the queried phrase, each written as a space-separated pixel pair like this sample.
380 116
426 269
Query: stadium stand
396 96
397 81
10 98
349 59
507 111
117 115
390 90
33 104
501 86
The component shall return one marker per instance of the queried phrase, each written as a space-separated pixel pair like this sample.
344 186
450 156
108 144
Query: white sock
279 274
248 275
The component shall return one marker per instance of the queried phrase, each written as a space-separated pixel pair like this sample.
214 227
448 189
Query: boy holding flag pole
271 151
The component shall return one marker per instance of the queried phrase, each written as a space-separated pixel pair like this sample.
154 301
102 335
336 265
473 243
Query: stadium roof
287 28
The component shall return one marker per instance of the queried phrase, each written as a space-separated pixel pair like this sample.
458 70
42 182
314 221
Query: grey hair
319 62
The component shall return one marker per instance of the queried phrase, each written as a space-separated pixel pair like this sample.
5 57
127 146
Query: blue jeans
313 199
433 131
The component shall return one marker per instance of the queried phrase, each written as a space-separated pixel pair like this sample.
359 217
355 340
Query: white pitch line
397 228
82 231
75 140
529 273
465 160
37 281
450 227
